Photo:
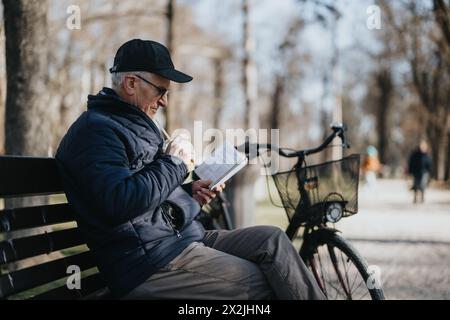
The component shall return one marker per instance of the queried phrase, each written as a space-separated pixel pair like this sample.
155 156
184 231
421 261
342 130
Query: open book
224 162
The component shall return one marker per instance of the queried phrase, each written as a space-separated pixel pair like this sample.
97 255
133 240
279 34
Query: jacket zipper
174 228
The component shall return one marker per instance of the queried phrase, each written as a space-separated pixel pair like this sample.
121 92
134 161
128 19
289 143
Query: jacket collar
108 100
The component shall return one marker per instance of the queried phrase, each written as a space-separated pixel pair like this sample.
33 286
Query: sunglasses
161 91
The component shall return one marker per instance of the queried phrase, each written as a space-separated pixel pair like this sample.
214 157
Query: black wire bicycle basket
325 183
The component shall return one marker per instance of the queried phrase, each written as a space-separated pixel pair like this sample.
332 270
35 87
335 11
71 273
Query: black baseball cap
147 55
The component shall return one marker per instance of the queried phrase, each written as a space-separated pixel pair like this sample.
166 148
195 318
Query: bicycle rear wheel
341 272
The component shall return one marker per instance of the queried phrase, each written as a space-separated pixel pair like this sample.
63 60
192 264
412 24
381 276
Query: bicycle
315 197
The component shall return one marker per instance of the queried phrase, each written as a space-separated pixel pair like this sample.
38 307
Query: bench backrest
52 236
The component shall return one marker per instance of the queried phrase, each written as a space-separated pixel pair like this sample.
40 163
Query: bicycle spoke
321 272
362 282
361 286
325 281
327 275
365 294
346 272
356 276
328 266
313 266
338 292
337 270
337 289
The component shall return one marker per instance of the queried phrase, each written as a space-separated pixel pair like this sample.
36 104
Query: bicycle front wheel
341 272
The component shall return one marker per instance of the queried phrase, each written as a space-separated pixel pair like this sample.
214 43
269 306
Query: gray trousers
250 263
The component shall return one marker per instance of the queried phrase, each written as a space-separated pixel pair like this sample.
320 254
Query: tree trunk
218 91
382 128
241 189
385 87
168 115
2 121
276 103
2 101
441 160
325 120
442 15
447 165
437 145
337 115
249 76
27 125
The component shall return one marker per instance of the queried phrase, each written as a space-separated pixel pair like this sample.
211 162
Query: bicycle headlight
334 212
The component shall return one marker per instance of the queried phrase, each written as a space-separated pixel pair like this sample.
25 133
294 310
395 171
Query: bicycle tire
330 238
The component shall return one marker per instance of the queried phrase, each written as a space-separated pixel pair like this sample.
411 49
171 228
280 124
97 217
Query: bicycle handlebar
338 131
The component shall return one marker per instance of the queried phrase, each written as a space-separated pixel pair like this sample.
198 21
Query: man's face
423 147
147 92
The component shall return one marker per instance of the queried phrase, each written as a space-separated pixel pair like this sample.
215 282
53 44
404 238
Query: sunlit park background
381 67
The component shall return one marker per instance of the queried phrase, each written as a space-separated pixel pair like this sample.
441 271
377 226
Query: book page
220 163
236 168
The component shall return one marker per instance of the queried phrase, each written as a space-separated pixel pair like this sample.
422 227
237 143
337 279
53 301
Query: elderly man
136 217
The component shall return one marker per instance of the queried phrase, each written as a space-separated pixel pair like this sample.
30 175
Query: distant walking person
371 166
419 168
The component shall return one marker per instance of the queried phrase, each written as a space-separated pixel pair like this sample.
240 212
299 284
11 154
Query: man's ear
130 85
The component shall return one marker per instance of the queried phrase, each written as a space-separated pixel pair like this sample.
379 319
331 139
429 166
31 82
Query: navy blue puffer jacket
116 177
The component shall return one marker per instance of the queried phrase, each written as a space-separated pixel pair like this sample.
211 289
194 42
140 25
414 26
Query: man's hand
182 148
201 192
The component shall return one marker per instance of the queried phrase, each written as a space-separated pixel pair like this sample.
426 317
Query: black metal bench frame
30 176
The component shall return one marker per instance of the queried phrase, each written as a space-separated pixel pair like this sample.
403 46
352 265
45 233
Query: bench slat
25 176
22 248
89 285
35 276
33 217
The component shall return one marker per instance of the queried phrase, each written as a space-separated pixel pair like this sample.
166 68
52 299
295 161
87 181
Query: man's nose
162 102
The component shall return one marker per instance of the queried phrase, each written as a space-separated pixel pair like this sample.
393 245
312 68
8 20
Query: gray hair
117 78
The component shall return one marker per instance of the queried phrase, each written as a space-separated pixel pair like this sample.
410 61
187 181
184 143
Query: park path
409 243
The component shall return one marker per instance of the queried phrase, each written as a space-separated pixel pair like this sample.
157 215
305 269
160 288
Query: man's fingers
219 189
207 192
204 183
202 193
204 196
199 199
182 149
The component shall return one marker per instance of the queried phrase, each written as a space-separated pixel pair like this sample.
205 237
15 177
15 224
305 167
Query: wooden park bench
53 233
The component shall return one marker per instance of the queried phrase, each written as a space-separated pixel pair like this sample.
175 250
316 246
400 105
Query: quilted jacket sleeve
97 163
